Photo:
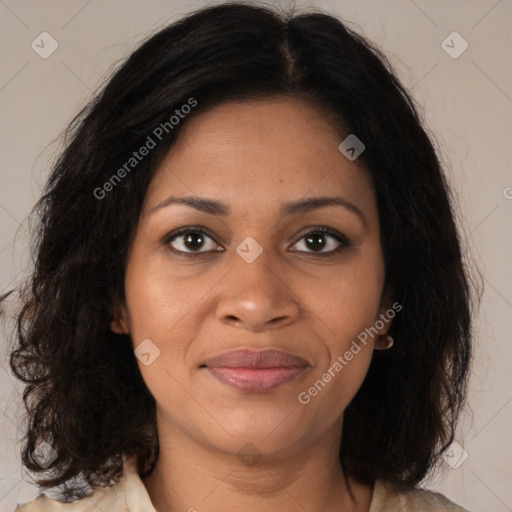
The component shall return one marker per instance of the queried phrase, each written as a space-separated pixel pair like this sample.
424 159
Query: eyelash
339 237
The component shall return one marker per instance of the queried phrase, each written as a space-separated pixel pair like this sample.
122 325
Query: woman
249 292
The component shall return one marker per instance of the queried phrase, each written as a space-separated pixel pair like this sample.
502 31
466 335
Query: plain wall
467 105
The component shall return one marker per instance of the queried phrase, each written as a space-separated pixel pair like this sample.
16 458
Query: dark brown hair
84 392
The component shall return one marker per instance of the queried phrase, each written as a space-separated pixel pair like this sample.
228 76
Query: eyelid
187 229
326 230
168 238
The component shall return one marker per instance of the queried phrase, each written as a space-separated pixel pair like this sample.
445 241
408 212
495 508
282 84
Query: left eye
191 241
316 239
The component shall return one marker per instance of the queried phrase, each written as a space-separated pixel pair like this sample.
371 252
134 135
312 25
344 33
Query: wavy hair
83 390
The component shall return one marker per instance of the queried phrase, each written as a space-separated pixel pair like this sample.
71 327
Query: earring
389 343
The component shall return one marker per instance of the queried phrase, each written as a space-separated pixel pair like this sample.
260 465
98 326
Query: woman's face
256 276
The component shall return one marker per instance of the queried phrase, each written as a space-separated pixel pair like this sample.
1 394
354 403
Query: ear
386 303
119 318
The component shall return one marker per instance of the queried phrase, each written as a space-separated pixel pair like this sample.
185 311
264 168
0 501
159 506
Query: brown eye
318 239
191 240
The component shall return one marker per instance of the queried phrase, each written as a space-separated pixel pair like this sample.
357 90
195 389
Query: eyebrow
302 206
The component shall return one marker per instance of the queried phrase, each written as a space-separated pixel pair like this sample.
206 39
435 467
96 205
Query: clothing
130 495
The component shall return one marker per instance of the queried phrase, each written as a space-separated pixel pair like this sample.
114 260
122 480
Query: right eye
190 240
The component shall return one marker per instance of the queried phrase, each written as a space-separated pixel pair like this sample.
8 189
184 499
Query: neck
193 477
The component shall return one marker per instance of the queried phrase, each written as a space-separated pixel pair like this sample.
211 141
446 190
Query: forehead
260 152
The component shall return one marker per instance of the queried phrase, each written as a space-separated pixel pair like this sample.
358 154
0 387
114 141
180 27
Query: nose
258 296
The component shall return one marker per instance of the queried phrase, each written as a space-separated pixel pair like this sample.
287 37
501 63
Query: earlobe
384 345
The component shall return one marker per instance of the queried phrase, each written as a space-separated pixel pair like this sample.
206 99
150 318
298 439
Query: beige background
468 106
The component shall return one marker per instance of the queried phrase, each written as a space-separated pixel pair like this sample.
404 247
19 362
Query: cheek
155 306
333 386
157 300
347 308
326 396
350 303
163 308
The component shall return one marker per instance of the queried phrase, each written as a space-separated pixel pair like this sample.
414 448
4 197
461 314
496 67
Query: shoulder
101 497
389 498
127 494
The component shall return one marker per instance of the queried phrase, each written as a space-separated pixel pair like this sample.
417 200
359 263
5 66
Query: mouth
255 371
255 380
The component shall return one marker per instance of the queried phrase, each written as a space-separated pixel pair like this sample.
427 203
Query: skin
254 156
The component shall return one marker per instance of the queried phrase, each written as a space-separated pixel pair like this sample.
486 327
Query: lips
265 358
255 370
